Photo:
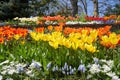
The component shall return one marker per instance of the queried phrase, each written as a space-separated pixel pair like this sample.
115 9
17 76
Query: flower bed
59 53
55 20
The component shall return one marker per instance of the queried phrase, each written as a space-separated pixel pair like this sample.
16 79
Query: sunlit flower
40 29
50 28
105 68
17 36
94 69
53 44
90 48
110 41
4 62
11 71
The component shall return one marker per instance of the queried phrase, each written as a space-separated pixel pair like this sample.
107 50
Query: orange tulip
41 29
50 28
58 28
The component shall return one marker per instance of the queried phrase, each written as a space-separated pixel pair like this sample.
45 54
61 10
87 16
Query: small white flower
19 65
4 62
29 72
89 76
30 31
110 63
94 69
67 73
74 69
115 78
3 72
70 67
105 68
103 60
9 79
5 67
54 69
11 71
63 72
1 77
16 18
110 74
32 75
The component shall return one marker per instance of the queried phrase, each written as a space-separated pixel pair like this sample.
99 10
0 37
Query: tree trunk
84 2
96 11
74 7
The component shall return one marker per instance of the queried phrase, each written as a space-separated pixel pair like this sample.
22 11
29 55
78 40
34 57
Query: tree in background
85 5
13 8
96 11
74 7
64 8
42 7
115 11
107 6
26 8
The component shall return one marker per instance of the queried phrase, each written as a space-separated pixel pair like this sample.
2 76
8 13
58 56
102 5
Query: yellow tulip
23 42
114 41
105 38
53 44
113 35
32 34
74 46
67 43
90 48
93 34
84 32
89 40
17 36
84 38
81 46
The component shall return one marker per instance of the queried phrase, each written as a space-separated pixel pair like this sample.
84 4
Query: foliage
16 8
115 10
11 9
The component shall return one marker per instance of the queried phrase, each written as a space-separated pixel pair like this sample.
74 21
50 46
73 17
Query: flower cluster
102 67
110 41
55 20
8 33
95 70
25 20
74 40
